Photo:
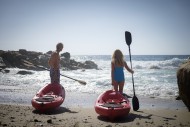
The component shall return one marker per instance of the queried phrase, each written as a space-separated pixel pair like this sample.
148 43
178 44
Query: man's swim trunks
55 75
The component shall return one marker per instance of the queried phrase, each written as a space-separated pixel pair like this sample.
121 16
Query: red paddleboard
49 97
112 104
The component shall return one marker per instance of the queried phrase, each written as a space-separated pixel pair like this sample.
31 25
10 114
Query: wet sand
15 115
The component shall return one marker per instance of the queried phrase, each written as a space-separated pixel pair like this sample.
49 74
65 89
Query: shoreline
23 115
87 100
78 110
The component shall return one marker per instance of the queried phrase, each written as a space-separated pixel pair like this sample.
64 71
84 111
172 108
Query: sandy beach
15 115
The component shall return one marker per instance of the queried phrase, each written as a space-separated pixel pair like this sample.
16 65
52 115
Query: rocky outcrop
20 59
29 59
183 80
2 64
66 55
24 72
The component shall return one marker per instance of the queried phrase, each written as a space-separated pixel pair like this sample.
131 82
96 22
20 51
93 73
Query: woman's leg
116 87
121 85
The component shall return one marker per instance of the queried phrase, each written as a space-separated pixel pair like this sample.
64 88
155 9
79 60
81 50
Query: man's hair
59 46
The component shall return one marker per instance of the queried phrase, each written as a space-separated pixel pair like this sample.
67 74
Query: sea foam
153 77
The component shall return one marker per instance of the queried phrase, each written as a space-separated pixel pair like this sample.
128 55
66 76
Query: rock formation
183 80
24 72
29 59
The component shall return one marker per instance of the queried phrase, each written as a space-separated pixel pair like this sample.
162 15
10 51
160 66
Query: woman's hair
59 46
117 58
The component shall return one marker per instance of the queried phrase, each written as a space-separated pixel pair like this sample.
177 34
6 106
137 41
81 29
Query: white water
153 78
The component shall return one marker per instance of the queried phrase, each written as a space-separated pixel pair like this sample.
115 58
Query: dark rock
23 51
29 59
49 52
1 52
13 59
2 64
4 70
35 120
178 98
49 121
43 59
66 55
69 64
16 59
183 80
24 72
154 67
90 65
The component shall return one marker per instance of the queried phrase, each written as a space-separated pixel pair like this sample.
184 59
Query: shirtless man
54 62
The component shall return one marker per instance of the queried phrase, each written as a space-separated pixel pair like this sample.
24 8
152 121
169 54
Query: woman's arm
127 68
112 73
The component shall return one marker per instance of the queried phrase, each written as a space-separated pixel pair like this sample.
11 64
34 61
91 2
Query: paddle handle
131 68
80 81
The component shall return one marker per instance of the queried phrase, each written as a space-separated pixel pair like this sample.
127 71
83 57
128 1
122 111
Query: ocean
154 77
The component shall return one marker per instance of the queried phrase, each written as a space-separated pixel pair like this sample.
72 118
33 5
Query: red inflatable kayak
112 104
49 97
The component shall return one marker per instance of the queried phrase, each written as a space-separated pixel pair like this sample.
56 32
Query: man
54 62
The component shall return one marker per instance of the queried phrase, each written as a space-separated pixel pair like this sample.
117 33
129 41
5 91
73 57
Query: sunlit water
155 76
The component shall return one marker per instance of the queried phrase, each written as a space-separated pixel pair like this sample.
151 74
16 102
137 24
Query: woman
117 73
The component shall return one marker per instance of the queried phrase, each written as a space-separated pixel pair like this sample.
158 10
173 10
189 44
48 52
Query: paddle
135 100
31 64
80 81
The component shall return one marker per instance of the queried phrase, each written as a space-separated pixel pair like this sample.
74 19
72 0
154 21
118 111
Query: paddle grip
131 68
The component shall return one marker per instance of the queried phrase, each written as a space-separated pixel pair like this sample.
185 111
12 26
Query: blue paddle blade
128 37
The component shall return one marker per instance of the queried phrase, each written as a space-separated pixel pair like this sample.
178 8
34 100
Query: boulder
12 59
66 55
49 52
6 71
1 52
2 64
29 59
43 60
183 80
24 72
90 65
23 51
69 64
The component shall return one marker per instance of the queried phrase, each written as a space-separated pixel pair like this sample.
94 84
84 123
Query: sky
96 27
